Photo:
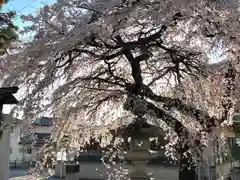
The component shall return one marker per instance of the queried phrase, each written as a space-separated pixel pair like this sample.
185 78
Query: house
213 91
15 133
25 144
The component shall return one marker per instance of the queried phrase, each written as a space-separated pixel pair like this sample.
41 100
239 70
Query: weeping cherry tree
100 60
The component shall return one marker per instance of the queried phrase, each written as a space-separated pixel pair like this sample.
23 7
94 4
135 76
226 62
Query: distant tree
7 29
2 2
236 123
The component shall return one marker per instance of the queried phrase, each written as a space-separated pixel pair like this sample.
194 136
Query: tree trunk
187 169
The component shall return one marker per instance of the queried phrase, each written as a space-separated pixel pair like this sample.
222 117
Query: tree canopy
105 60
7 28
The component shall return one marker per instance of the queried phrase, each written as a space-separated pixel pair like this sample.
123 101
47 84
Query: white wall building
15 133
24 144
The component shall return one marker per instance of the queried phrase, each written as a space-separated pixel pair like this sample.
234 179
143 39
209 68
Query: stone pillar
6 97
139 155
4 154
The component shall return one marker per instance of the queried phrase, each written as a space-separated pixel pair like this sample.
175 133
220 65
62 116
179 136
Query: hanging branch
229 87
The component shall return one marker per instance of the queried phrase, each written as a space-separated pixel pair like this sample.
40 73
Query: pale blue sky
24 7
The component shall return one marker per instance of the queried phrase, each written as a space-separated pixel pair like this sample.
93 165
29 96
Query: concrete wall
99 171
223 170
4 154
14 139
43 129
27 157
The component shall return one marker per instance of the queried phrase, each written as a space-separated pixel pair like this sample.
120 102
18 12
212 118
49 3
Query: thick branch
135 65
201 116
229 87
133 104
111 72
169 120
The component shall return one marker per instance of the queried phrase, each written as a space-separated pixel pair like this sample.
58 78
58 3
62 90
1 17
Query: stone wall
4 154
99 171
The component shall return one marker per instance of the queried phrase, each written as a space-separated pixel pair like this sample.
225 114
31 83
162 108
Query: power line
15 8
20 11
28 5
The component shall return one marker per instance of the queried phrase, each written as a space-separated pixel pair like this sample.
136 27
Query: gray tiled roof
43 121
35 139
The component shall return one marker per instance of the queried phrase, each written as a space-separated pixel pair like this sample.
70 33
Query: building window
11 129
20 150
238 141
10 150
231 141
27 150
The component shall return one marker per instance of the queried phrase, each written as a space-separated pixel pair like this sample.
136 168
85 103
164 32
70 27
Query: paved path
13 173
20 178
27 177
21 174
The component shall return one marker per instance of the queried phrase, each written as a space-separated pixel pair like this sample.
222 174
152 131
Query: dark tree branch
111 72
163 73
230 79
101 80
202 117
169 120
135 65
172 122
96 104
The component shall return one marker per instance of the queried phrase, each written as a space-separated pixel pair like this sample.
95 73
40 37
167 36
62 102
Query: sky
23 7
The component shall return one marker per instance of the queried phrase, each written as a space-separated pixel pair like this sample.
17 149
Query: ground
17 174
20 174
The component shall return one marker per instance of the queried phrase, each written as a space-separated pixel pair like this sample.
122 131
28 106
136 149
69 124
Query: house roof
140 127
43 121
36 139
26 139
41 138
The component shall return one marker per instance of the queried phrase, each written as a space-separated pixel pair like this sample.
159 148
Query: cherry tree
98 61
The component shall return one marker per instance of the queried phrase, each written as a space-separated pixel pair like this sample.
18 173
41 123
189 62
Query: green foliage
2 2
8 32
26 139
235 152
236 123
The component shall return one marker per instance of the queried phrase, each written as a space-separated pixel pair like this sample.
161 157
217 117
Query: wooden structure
6 97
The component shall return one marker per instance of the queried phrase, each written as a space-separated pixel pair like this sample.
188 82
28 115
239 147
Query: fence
206 173
97 157
89 158
19 164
